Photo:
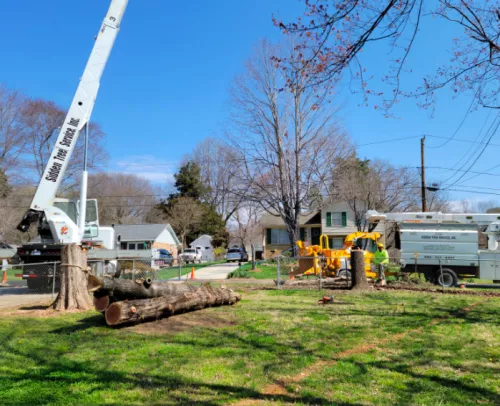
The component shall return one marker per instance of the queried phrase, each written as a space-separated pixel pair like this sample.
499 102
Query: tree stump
73 294
358 274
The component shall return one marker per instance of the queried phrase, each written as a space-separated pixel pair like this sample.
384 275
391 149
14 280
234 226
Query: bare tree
284 137
219 168
123 198
475 206
334 33
377 185
41 121
12 138
184 215
246 227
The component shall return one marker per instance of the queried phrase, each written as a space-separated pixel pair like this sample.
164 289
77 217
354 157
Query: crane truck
445 246
64 221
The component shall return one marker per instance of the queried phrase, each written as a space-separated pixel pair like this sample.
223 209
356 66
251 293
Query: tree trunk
133 311
128 289
73 294
358 274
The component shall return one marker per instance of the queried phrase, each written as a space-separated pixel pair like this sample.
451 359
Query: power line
459 126
461 140
480 153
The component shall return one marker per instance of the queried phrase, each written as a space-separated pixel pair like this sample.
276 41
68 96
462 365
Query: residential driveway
219 271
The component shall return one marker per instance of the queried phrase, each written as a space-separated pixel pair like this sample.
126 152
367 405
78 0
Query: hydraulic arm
77 118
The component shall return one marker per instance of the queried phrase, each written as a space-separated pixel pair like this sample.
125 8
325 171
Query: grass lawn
274 347
12 272
262 271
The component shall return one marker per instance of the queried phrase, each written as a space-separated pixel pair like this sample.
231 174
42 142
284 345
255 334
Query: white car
190 255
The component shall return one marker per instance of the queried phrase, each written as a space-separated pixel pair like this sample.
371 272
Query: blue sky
165 86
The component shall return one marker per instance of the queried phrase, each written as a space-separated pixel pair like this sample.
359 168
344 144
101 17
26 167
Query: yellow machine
316 259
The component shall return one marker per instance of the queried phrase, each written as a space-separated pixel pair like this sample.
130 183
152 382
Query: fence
441 270
154 269
41 278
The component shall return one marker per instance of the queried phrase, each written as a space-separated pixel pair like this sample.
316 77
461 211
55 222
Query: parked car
237 255
190 255
163 258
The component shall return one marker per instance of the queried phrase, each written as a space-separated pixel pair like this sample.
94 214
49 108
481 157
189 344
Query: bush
239 273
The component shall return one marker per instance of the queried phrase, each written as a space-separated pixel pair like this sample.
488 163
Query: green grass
173 272
447 357
12 272
263 271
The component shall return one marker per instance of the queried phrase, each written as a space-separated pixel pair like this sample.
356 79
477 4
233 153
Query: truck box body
454 245
490 265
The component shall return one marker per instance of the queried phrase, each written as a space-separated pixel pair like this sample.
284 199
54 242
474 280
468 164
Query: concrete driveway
217 272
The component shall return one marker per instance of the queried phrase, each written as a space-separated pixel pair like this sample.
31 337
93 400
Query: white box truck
445 247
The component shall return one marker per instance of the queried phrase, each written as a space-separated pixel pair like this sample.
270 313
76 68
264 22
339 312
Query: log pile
125 301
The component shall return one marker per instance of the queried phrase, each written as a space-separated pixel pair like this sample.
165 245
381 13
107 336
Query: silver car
237 255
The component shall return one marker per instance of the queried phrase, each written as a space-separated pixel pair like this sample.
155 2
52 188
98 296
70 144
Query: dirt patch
183 322
447 291
39 310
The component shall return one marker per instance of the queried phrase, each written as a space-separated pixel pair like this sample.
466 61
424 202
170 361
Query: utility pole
422 168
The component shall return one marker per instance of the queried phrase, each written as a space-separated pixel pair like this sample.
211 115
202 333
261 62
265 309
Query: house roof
140 232
269 220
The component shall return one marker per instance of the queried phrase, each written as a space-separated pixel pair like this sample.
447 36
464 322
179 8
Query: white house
204 244
146 237
336 220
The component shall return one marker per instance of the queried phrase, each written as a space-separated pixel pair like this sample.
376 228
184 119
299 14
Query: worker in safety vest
380 260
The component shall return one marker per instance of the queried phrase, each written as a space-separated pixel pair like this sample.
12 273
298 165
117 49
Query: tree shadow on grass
56 374
454 390
96 320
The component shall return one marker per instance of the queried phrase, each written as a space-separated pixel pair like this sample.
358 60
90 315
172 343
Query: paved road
216 272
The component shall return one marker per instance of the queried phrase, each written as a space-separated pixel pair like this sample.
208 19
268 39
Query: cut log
101 303
133 311
127 289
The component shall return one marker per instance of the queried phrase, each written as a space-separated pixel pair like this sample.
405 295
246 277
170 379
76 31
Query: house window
277 236
131 245
141 245
336 219
123 246
336 243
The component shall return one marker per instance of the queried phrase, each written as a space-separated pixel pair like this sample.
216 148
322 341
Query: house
204 243
146 237
336 220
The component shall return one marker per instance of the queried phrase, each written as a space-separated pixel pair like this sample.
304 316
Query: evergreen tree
190 186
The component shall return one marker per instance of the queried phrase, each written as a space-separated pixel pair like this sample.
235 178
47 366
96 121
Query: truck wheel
448 279
344 272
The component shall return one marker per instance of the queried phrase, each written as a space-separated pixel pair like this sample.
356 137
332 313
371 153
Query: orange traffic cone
192 273
4 278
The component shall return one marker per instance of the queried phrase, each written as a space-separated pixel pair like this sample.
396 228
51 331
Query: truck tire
344 272
448 280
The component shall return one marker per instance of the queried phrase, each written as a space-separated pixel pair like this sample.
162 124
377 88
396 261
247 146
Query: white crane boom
481 219
78 116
